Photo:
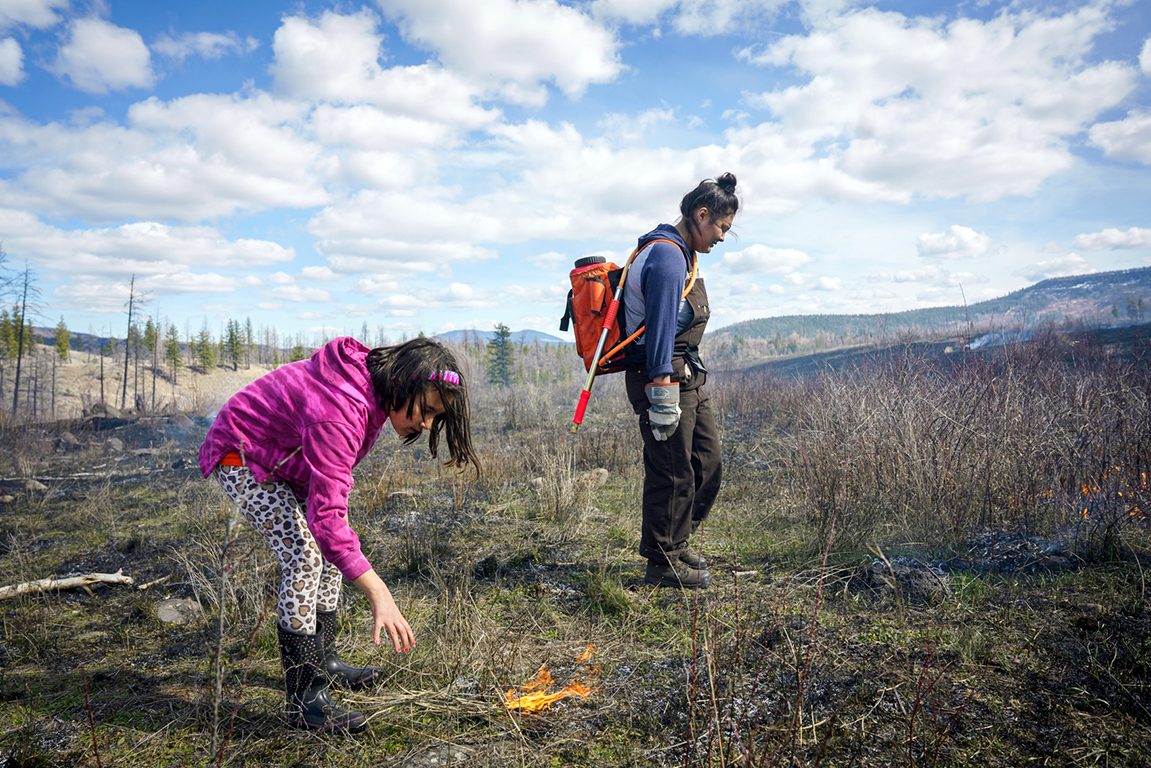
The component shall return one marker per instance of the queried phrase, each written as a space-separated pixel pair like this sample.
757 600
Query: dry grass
793 657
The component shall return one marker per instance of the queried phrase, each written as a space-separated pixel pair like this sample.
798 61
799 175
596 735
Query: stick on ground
72 582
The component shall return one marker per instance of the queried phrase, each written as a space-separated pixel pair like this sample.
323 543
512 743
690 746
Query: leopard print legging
308 582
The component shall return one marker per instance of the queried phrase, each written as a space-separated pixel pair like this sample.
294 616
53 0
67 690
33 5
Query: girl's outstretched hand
385 613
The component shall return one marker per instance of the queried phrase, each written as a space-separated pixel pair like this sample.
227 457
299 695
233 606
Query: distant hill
1093 298
518 337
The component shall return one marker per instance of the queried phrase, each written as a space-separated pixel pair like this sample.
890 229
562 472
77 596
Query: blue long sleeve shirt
655 298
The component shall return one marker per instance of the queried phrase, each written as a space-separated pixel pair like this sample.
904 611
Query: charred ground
890 590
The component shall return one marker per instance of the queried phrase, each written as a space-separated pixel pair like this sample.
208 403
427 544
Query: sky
431 165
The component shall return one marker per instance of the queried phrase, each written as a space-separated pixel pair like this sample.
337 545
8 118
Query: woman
681 452
283 449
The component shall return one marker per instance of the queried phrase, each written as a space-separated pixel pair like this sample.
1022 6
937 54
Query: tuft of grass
605 593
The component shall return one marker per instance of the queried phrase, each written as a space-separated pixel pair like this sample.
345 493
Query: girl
681 451
283 449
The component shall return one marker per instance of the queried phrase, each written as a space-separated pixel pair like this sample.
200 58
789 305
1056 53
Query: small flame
531 697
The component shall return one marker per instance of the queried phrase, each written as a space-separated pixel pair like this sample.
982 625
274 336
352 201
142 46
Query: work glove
663 414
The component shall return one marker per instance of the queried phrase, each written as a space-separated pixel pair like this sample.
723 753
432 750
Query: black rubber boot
341 674
309 705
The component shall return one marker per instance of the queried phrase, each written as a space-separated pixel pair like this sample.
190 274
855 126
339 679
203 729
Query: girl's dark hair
405 373
717 195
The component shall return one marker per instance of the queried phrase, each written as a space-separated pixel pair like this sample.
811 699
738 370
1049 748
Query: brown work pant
681 474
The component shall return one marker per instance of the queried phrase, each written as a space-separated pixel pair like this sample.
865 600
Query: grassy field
913 566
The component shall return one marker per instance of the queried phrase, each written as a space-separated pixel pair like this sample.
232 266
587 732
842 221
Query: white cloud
144 247
631 11
93 294
377 284
745 288
454 296
550 261
690 17
1136 237
956 242
357 311
99 57
715 17
208 45
1071 264
1145 57
314 272
902 106
828 284
367 226
761 260
1128 139
281 278
370 128
512 45
336 59
189 159
920 275
297 294
11 62
38 14
629 129
933 275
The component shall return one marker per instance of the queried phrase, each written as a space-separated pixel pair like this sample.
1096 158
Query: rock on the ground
31 485
593 479
66 442
116 445
176 610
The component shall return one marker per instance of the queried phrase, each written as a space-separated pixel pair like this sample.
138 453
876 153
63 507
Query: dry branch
47 585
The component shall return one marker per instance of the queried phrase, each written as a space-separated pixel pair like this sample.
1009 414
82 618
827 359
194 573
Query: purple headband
449 377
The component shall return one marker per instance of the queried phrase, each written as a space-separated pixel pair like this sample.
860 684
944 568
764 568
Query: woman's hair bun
718 196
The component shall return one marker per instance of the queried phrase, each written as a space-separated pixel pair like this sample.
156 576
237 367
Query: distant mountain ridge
1078 297
518 337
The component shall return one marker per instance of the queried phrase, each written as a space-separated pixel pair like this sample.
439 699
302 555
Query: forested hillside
1098 299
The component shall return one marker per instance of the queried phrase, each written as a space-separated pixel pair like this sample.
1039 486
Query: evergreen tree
298 354
150 337
172 354
205 349
7 336
500 358
63 339
233 344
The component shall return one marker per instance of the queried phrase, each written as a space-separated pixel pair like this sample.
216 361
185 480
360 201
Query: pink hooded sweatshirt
308 424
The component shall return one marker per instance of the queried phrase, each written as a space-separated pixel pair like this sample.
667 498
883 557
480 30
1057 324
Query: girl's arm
384 611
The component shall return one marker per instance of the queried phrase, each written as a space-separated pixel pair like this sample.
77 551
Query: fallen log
71 582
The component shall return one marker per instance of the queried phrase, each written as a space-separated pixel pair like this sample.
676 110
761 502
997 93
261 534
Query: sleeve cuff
354 566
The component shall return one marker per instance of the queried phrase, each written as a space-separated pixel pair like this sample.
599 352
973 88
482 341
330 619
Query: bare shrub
559 495
934 452
216 529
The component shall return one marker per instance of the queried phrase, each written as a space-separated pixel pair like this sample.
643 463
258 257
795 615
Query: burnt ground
1011 650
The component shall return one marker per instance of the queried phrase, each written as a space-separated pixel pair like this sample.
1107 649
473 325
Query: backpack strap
627 266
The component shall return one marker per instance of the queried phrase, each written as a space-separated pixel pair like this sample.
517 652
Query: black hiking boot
676 574
692 559
309 705
342 675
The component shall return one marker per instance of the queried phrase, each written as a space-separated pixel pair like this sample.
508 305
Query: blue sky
428 165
